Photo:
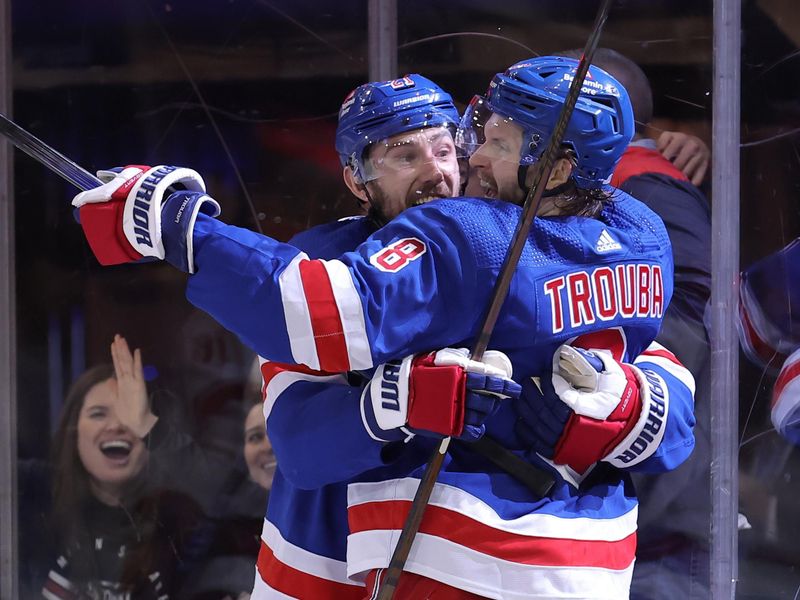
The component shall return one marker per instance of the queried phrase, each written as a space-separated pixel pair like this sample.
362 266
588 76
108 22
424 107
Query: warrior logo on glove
439 394
123 218
592 408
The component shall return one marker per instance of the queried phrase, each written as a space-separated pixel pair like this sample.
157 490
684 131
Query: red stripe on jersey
411 585
760 347
612 339
663 353
297 584
786 376
325 321
270 369
58 590
467 532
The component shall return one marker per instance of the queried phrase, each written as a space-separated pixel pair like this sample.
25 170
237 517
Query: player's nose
478 160
432 172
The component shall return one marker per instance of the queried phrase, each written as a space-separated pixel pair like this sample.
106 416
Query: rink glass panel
247 94
769 468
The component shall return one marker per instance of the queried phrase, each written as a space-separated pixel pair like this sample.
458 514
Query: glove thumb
498 361
580 368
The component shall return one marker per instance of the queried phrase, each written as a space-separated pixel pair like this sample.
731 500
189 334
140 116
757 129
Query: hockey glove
438 394
590 408
124 220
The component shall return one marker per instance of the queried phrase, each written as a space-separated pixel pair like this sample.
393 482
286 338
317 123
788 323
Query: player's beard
378 199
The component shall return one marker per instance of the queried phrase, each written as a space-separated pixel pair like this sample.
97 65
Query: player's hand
137 213
590 408
133 406
687 152
438 394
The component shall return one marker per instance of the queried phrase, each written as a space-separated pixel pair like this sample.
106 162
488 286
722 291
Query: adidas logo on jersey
606 243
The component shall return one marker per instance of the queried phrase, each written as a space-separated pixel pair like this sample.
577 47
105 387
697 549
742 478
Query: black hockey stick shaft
529 210
50 158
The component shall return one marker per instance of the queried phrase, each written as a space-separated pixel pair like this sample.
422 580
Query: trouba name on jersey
631 290
141 206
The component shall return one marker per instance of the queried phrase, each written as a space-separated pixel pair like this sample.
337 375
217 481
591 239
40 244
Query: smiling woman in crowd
118 533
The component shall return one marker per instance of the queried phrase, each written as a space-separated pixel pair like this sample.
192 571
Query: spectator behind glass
258 453
118 535
672 558
232 534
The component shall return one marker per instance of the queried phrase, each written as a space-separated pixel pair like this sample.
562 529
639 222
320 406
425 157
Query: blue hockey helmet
531 93
379 110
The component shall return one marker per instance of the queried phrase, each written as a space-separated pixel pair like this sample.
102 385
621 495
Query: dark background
247 92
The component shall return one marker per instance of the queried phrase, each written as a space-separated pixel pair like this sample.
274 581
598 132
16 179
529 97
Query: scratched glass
672 44
247 93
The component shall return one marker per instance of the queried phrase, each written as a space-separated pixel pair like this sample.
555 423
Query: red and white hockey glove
122 219
438 394
590 408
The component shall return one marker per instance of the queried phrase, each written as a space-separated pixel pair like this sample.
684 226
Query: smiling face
258 452
111 454
495 163
412 168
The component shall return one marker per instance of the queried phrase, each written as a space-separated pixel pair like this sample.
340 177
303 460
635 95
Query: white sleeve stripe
280 382
351 314
298 317
677 370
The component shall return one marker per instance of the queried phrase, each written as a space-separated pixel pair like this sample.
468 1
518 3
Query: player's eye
500 145
444 152
402 159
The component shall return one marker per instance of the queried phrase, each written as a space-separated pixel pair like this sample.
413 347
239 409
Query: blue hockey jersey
423 282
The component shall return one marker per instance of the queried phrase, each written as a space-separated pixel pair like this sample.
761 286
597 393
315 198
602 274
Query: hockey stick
529 210
50 158
537 480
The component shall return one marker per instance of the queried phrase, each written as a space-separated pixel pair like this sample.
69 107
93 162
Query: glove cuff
646 435
179 216
384 402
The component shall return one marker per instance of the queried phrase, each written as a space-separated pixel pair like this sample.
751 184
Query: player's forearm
336 315
316 432
677 393
237 283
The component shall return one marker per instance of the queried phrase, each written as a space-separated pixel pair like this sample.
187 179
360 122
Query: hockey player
408 129
380 302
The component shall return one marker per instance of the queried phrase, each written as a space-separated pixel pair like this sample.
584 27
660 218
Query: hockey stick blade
529 209
44 154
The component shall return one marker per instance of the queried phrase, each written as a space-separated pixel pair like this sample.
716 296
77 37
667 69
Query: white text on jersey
584 297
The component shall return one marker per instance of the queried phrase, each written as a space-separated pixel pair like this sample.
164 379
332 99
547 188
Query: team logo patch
606 243
401 84
398 254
